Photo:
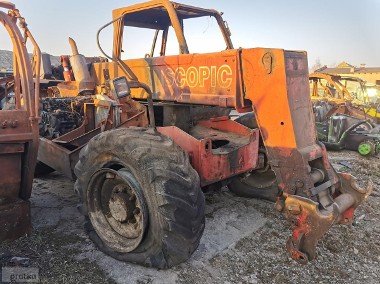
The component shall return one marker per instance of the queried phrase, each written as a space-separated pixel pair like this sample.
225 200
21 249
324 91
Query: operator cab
157 19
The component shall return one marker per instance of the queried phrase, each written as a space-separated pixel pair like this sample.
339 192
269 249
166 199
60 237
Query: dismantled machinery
334 94
347 132
156 130
18 129
346 113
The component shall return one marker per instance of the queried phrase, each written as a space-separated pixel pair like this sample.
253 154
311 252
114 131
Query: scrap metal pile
347 113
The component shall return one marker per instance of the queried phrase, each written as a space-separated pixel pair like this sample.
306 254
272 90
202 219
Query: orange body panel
278 96
207 79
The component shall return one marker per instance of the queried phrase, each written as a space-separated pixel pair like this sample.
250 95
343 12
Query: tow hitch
310 220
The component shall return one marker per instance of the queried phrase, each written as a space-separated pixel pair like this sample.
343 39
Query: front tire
141 196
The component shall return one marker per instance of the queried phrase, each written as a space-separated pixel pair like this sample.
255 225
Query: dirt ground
244 241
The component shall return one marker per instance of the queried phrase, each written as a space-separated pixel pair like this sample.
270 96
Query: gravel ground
244 241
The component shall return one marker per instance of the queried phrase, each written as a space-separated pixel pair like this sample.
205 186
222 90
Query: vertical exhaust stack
80 70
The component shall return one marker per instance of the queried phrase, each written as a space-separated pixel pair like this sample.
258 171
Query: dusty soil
244 241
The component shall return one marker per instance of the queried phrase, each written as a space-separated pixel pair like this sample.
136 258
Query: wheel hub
117 208
120 207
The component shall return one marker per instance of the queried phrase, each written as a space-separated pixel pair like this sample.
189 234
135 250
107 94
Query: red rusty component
18 132
347 216
310 223
218 148
67 72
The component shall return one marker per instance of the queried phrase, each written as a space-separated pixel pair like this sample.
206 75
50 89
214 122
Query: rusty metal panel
297 82
55 156
236 153
78 141
63 154
13 122
10 176
11 148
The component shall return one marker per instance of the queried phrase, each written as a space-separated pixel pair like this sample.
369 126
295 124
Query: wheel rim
117 208
365 148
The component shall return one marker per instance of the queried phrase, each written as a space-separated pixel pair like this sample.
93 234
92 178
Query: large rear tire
256 184
141 196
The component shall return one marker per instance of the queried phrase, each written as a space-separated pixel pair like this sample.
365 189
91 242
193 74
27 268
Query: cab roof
154 14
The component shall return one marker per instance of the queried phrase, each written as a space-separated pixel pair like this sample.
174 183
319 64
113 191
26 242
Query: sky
331 31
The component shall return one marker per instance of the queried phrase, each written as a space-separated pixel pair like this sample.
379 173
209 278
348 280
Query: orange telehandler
143 137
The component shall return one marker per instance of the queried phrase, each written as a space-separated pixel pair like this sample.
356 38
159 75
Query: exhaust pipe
80 70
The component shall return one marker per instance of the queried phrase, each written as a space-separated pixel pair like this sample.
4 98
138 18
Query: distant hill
6 59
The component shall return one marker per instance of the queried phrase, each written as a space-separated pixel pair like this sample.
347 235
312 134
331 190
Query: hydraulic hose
133 84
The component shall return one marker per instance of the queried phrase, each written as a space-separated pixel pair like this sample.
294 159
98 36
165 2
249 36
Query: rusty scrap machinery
155 131
346 113
334 94
18 129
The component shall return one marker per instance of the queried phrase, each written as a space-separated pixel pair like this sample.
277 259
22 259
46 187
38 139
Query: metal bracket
310 223
320 188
